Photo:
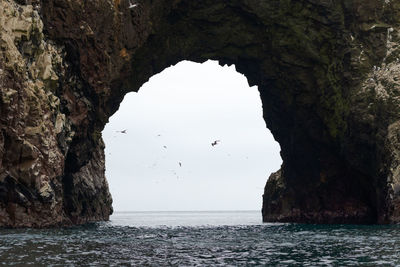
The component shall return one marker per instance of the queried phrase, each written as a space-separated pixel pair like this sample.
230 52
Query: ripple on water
285 244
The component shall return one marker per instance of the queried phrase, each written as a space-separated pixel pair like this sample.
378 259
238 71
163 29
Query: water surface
201 239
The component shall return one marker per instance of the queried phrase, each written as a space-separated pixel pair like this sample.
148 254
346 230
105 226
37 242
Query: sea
201 238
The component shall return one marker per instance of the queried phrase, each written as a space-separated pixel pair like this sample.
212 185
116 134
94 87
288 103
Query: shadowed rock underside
328 73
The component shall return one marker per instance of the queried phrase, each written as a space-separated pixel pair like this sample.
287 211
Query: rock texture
328 73
41 109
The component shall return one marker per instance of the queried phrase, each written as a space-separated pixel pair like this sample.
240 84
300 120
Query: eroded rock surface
36 129
328 74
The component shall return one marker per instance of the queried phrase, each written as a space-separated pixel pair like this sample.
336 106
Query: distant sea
209 238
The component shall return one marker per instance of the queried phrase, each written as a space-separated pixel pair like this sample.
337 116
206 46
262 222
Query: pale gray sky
174 118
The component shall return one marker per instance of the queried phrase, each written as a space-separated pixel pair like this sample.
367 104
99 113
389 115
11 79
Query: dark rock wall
327 74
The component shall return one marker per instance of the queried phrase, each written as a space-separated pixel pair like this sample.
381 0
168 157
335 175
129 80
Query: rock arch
326 70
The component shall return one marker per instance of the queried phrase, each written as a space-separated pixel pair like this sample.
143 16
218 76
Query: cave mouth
159 152
313 64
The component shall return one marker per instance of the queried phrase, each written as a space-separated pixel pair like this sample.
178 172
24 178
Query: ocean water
236 238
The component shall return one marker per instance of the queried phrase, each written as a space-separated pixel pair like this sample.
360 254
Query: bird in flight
180 164
131 5
123 131
215 142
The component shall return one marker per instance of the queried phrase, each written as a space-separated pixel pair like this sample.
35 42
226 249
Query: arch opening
324 70
161 152
309 101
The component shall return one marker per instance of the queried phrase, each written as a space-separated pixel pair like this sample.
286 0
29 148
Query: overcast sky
173 119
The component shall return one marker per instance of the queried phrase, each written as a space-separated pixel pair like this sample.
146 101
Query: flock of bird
214 143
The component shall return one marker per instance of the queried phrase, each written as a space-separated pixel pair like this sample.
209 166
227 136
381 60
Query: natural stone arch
325 70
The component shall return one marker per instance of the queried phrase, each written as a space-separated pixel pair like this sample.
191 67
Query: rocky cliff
328 73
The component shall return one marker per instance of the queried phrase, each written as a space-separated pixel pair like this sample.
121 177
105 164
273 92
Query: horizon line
125 211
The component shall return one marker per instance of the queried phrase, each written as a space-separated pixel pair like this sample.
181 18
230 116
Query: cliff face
328 74
42 107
